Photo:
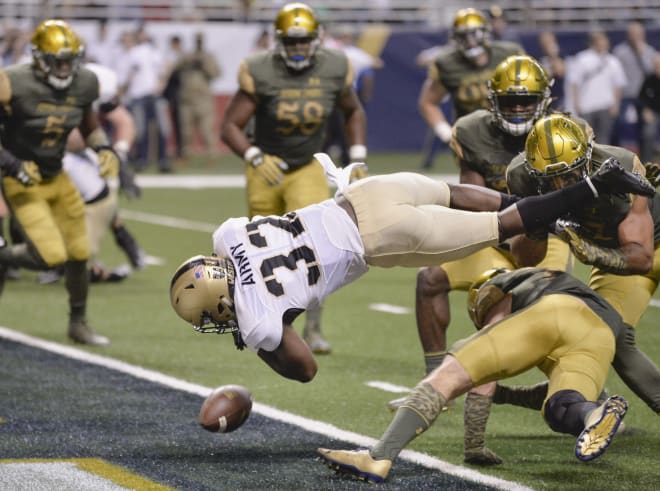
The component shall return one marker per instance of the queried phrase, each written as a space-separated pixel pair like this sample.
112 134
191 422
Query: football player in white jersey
98 185
268 270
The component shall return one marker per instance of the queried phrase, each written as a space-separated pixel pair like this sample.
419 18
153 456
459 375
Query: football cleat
316 343
356 463
80 332
600 427
482 456
611 177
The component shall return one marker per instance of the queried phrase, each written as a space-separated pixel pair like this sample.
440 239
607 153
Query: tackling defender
619 236
527 318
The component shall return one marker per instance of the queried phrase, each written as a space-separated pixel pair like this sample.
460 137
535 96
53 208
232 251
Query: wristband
357 153
122 147
251 153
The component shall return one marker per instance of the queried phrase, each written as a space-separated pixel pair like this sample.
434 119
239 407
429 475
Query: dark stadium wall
394 124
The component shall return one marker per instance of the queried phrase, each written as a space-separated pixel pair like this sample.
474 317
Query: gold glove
359 172
109 162
269 167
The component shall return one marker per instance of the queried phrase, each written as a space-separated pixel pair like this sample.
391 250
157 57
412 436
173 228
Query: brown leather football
225 409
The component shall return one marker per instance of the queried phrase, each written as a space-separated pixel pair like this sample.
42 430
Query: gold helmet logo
519 93
57 52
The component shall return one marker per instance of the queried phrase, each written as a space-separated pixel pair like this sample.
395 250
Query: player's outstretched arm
292 358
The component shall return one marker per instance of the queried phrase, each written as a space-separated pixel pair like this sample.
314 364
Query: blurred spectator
197 103
103 50
16 47
140 72
595 80
500 28
636 57
171 91
649 99
554 65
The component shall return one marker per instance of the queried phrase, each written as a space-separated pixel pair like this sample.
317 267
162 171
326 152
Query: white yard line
270 412
388 308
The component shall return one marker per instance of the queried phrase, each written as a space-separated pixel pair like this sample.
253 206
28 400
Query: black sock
539 211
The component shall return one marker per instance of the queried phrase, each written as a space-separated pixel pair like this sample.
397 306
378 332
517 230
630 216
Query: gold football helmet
470 32
557 151
479 302
297 33
519 93
56 51
202 293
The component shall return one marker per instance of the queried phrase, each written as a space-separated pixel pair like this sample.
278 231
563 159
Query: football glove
109 161
443 131
24 171
608 259
269 167
359 172
653 173
127 183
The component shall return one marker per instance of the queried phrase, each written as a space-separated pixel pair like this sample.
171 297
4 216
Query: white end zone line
267 411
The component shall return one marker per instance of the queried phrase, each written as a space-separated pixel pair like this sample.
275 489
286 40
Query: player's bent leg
600 427
312 334
566 411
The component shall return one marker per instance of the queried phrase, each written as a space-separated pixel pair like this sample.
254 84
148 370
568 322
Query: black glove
24 171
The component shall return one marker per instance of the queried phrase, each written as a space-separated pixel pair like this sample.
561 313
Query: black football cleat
612 178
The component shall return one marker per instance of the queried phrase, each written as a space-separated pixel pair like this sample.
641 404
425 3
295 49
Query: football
225 409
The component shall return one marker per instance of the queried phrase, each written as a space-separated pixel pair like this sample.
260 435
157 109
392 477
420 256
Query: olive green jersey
485 148
599 221
293 108
527 285
36 118
468 84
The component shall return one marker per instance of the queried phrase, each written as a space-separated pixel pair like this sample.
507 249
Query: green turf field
368 346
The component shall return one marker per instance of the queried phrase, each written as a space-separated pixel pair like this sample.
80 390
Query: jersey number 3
290 223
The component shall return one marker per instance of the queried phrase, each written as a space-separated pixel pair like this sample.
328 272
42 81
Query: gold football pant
463 272
404 220
301 187
629 295
559 334
52 216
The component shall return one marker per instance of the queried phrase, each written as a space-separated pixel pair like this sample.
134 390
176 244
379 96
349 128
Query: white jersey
83 169
287 264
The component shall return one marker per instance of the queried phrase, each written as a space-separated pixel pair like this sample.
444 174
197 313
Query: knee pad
559 414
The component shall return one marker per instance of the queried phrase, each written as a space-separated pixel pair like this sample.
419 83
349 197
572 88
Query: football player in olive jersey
291 92
619 236
484 142
527 318
462 70
40 104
